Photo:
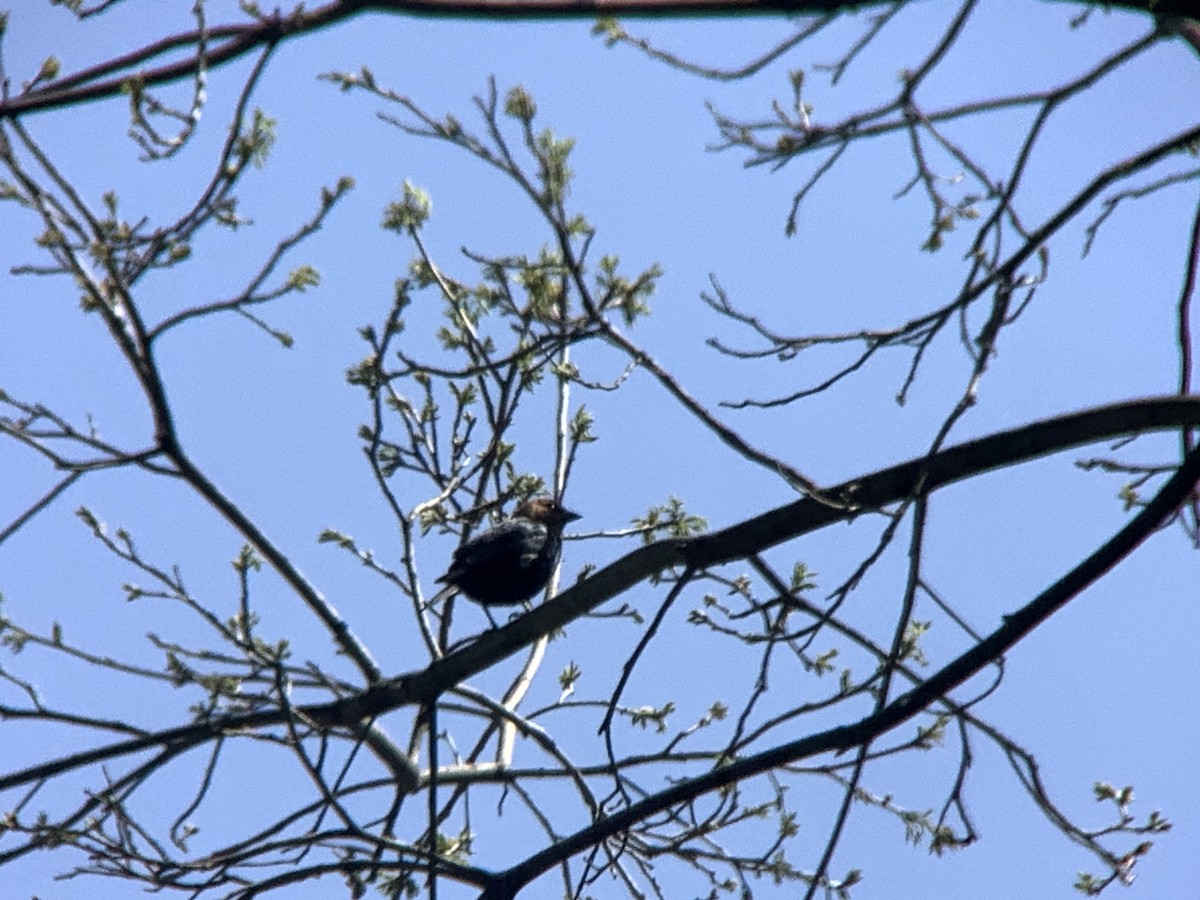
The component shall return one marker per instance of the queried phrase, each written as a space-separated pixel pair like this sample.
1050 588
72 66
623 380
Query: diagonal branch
736 542
1016 626
227 43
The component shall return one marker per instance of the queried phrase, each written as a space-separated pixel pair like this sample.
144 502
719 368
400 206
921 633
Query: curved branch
1016 626
739 541
227 43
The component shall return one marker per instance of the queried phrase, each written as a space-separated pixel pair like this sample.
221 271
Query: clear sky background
1106 690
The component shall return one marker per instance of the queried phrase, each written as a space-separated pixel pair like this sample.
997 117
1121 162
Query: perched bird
511 562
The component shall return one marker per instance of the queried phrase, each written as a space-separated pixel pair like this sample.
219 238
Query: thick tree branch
1016 626
739 541
227 43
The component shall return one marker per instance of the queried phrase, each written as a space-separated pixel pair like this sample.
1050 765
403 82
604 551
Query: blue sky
1100 692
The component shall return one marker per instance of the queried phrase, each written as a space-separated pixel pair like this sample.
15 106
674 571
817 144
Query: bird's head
545 511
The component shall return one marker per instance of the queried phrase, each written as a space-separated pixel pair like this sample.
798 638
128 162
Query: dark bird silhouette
511 562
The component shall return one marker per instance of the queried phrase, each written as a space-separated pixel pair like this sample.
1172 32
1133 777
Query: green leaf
303 277
520 105
410 212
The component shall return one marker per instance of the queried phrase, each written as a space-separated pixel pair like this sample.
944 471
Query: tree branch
736 542
1016 626
227 43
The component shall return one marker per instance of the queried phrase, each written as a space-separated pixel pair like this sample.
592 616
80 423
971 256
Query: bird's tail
440 597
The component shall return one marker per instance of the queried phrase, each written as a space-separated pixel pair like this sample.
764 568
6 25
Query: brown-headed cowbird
511 562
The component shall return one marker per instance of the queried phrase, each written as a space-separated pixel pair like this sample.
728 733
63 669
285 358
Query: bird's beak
568 516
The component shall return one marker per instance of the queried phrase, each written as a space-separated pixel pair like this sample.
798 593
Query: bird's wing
507 541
